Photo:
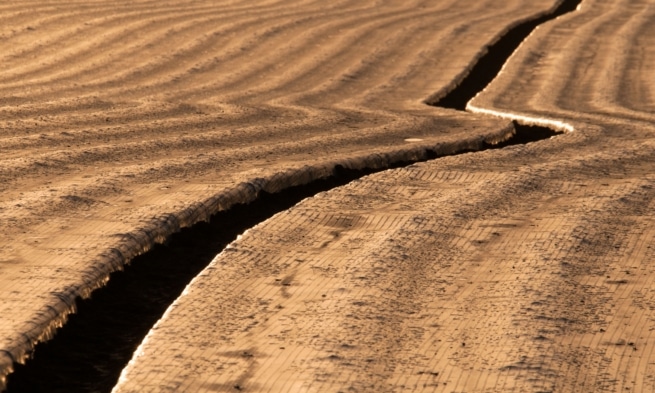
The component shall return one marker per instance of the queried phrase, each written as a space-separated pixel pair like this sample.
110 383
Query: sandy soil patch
521 269
121 121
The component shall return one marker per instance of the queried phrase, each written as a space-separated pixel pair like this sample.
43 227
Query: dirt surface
526 269
514 270
122 121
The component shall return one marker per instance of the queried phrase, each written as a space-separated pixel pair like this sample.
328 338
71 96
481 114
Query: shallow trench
89 352
490 64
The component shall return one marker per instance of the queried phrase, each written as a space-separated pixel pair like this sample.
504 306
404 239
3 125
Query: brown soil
524 269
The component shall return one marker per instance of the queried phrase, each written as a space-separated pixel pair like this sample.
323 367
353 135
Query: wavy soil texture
521 269
525 269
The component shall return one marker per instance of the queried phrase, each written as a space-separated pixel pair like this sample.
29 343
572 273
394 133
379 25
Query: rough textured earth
521 269
526 269
122 121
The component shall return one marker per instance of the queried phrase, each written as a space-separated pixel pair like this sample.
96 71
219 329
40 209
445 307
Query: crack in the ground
89 352
490 64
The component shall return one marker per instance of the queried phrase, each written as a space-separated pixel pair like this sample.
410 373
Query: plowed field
520 269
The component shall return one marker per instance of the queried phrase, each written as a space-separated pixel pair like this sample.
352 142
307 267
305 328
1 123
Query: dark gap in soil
89 352
489 65
526 134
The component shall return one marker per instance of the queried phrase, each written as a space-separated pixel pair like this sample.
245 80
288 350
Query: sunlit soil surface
520 269
123 121
525 269
96 343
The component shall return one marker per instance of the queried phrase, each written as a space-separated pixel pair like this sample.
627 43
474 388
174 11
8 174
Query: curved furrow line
121 125
147 148
387 64
140 145
60 134
608 94
125 125
122 22
308 137
595 27
588 67
640 95
479 309
448 79
90 110
371 46
67 32
153 69
76 53
52 119
291 40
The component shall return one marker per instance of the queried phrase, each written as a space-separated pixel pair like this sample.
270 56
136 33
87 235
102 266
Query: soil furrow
109 317
489 65
147 163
